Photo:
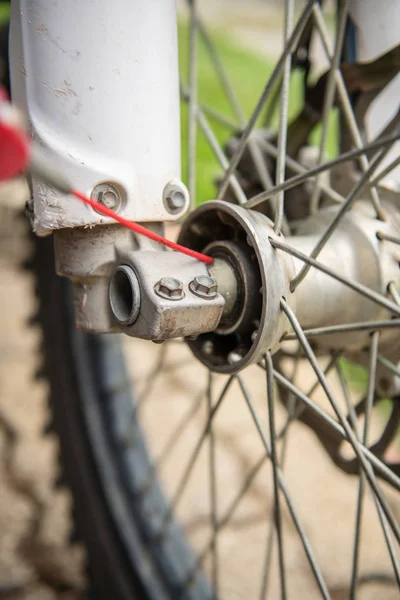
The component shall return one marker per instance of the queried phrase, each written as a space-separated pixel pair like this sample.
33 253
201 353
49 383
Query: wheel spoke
222 74
213 490
360 494
338 429
282 485
389 365
275 466
382 518
298 410
283 118
389 238
380 143
343 425
351 437
331 228
194 456
173 440
210 111
346 327
330 92
235 503
358 287
346 105
295 166
284 435
301 23
389 542
385 171
393 292
229 513
346 395
218 152
254 150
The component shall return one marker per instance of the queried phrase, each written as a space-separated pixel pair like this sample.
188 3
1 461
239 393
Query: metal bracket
169 305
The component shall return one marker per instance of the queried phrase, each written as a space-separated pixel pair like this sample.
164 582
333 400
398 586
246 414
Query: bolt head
108 195
176 197
175 201
169 288
204 286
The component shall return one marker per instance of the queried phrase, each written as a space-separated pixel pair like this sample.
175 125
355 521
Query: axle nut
204 286
169 288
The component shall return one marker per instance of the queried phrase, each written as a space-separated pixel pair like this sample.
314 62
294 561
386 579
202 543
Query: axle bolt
169 288
204 286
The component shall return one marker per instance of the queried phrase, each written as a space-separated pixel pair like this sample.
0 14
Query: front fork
99 83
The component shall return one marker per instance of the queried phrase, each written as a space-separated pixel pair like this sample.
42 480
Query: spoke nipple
204 286
254 335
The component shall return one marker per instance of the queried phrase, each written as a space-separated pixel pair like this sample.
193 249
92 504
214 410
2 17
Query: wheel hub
251 276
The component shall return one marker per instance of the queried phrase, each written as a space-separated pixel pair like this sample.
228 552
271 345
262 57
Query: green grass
4 12
248 73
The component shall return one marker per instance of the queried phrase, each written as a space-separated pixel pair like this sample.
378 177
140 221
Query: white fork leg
377 31
99 83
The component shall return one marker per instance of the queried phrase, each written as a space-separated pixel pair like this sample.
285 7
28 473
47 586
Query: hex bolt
176 197
107 194
204 286
175 201
169 288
